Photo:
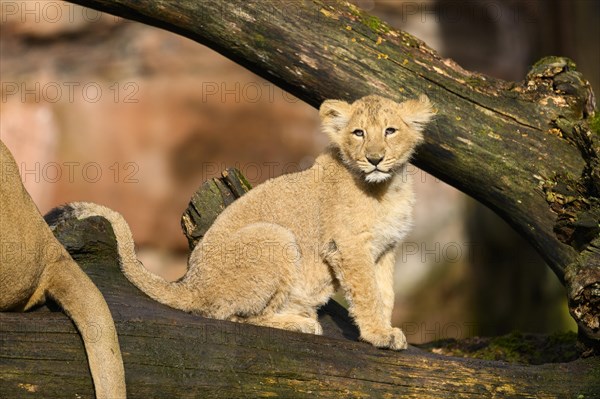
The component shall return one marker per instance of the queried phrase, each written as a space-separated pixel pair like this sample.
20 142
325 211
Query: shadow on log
171 354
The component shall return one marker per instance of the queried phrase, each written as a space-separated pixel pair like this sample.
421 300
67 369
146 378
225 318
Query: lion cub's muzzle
377 173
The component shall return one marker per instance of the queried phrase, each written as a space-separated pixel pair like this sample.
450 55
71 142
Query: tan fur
279 252
34 265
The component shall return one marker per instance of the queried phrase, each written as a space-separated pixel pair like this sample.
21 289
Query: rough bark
528 150
209 200
172 354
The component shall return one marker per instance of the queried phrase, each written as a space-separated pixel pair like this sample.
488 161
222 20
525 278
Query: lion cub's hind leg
297 313
252 271
288 321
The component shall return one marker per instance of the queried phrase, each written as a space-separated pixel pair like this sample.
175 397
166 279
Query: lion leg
288 321
246 274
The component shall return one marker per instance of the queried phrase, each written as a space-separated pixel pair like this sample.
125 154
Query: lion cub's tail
173 294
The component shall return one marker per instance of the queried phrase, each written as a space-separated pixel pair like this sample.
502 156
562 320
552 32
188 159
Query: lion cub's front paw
392 338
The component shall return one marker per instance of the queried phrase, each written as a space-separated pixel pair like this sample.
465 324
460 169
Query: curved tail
173 294
81 300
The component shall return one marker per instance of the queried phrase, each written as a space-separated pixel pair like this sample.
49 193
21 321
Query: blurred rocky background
98 108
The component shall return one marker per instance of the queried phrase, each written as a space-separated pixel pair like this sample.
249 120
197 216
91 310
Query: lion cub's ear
335 115
417 113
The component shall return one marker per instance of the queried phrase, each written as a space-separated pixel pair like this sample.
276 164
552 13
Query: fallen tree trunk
171 354
529 150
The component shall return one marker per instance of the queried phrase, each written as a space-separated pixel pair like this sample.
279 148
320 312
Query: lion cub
279 252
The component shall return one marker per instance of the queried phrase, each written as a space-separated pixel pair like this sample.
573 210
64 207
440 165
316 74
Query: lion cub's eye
390 130
358 132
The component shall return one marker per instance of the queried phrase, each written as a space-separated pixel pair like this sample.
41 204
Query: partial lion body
35 266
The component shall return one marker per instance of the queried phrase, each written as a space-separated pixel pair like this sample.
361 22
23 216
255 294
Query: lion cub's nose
374 159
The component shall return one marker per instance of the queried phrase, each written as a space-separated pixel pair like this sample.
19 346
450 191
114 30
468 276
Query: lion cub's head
375 135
